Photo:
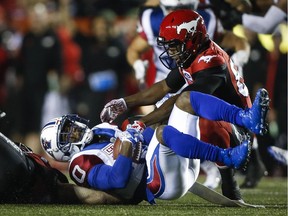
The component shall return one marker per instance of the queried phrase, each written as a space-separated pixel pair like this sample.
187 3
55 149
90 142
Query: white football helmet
63 137
179 4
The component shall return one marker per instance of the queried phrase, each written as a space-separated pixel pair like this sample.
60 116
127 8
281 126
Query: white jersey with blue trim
102 153
148 27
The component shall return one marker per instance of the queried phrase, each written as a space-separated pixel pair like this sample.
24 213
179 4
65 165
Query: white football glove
131 135
112 109
140 68
137 140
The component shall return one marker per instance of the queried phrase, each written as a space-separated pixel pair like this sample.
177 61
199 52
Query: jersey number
242 88
78 174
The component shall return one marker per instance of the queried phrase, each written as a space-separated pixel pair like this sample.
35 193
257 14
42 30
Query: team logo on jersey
189 26
207 58
187 77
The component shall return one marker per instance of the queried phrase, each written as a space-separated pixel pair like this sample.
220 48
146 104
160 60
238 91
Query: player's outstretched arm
148 96
73 194
266 24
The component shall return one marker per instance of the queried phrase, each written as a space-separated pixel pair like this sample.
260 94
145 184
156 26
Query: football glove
131 135
112 109
140 68
137 125
136 139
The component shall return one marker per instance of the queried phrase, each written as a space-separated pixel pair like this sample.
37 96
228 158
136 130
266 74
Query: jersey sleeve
105 177
91 171
80 166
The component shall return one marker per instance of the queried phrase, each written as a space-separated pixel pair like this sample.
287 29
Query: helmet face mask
63 137
69 132
182 34
175 53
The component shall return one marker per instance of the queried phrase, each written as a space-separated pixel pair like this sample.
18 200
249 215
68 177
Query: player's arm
137 47
266 24
106 177
239 45
145 97
148 96
134 54
74 194
206 81
174 81
230 40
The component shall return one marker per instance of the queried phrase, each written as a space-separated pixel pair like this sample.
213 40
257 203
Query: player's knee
183 102
159 132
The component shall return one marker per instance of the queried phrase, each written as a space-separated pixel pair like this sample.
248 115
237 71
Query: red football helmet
182 34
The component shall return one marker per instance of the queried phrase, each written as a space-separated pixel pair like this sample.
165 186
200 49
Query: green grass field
271 192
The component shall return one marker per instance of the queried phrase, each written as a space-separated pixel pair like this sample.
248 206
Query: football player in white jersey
153 164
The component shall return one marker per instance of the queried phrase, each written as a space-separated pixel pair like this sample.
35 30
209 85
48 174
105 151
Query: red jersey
213 72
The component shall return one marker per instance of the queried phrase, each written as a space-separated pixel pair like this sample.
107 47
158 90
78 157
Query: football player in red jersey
200 64
153 71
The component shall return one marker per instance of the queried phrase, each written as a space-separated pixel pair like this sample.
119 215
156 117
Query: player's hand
136 139
140 68
112 109
132 135
137 125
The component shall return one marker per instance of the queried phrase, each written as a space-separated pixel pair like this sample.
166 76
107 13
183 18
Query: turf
271 192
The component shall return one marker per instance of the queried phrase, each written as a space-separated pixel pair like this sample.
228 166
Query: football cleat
229 186
238 156
254 118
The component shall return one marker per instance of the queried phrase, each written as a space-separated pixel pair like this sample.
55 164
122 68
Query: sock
190 147
215 109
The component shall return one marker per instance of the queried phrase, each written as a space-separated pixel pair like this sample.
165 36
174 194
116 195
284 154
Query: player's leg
169 175
15 170
213 132
212 108
224 135
190 147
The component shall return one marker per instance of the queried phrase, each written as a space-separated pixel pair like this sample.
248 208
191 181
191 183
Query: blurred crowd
61 57
69 56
